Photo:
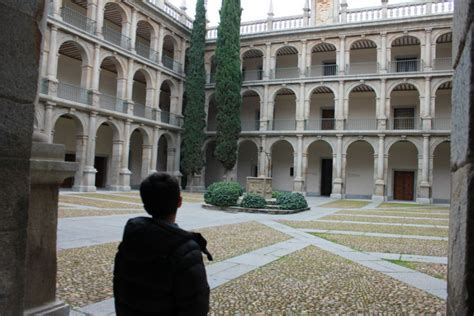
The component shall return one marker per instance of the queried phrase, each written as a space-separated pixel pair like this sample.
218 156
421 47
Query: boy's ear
180 201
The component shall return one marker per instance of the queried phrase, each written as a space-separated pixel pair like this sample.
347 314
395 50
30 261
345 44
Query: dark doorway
403 185
326 177
100 164
327 116
69 182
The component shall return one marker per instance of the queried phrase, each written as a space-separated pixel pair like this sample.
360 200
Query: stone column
92 10
424 192
303 62
300 109
160 44
298 182
81 156
426 106
52 71
177 158
22 31
48 120
154 150
342 51
381 105
337 185
383 57
133 30
461 244
125 173
427 52
96 77
379 191
146 160
266 61
264 110
90 171
48 170
339 107
263 158
100 18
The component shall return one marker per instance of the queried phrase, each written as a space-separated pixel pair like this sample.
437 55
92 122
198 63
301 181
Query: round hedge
292 201
253 201
223 194
280 195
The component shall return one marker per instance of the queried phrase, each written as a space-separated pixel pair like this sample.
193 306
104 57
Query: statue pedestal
261 186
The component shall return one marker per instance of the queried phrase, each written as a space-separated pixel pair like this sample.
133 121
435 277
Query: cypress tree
228 83
194 113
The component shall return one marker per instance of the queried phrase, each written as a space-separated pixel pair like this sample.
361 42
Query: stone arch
310 92
80 124
117 130
440 83
282 164
252 90
289 140
435 143
359 175
83 47
311 142
124 11
399 36
170 46
245 53
355 42
118 62
283 89
392 85
247 160
357 84
372 142
256 142
148 75
145 132
414 141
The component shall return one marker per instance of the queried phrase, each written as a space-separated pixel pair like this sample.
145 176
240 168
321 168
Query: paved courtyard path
388 268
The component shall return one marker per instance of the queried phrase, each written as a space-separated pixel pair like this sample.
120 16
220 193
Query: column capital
383 34
428 30
54 28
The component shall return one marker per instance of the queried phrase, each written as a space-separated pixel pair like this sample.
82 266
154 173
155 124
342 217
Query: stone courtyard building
348 103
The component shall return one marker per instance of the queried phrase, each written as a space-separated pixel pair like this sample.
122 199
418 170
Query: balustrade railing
408 65
250 125
111 103
442 123
73 93
443 63
286 73
172 64
283 125
146 52
170 118
405 123
361 124
77 19
44 86
288 22
144 111
249 75
364 14
322 70
362 68
116 37
324 124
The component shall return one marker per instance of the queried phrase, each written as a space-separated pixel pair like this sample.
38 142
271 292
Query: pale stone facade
341 102
359 97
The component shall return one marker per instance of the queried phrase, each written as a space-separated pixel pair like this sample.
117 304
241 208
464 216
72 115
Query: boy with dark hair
159 268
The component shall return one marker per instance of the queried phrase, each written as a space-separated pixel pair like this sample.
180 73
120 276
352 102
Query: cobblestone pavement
85 274
313 281
391 245
439 271
400 230
403 213
95 202
346 204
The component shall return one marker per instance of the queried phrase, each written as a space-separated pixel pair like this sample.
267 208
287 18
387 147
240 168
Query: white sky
257 9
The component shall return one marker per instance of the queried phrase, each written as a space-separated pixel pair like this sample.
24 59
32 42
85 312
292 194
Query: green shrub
280 195
292 201
223 194
253 201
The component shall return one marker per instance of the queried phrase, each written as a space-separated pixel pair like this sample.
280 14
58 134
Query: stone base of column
83 188
124 180
378 198
89 180
120 188
298 185
56 308
424 193
196 184
337 189
379 188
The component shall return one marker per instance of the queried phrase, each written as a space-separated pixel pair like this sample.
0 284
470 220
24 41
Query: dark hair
160 194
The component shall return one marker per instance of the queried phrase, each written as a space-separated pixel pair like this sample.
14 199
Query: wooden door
404 185
326 177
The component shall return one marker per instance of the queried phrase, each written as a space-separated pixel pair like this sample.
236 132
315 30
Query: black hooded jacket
159 270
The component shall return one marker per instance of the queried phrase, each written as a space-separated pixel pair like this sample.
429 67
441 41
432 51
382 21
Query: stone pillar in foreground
48 171
21 37
461 222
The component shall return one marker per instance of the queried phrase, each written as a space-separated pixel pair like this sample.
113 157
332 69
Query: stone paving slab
414 258
354 233
384 224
